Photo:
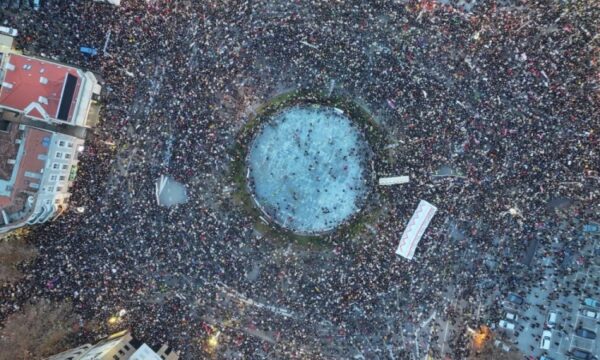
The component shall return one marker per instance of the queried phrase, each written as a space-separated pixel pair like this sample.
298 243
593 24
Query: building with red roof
38 159
37 168
47 91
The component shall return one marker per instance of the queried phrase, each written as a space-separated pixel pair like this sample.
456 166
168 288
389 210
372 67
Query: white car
506 325
512 316
502 345
9 31
552 319
546 340
590 313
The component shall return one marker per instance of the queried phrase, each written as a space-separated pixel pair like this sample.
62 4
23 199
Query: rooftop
40 89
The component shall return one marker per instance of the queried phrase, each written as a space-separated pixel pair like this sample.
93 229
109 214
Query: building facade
118 346
37 168
45 108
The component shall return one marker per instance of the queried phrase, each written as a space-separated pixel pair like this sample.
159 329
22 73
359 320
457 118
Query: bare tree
40 329
14 250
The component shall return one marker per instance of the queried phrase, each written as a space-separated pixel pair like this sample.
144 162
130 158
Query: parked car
592 303
515 299
546 358
552 319
590 314
506 325
88 51
502 345
9 31
591 228
579 354
585 333
511 316
546 340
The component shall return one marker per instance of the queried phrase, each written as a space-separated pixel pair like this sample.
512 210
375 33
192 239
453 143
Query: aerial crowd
504 96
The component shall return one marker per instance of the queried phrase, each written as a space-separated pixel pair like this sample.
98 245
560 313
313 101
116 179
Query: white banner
415 229
393 180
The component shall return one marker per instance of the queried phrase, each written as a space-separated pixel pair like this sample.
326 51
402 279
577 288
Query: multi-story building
37 168
45 108
118 346
47 91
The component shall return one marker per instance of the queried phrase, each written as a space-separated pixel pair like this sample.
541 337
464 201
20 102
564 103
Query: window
67 156
61 143
70 144
59 188
59 155
115 357
55 166
65 166
61 178
4 125
127 347
53 178
57 201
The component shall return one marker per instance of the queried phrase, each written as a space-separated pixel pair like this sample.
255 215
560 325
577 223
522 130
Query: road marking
445 336
417 342
431 317
429 340
571 343
587 276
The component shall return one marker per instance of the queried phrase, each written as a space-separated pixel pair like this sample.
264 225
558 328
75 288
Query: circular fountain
307 168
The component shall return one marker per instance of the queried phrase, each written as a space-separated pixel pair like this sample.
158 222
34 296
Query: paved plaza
490 108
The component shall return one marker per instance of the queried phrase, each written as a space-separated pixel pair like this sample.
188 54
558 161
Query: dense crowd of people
504 96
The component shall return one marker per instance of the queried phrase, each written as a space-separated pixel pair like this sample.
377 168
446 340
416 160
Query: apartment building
47 91
118 346
45 108
37 168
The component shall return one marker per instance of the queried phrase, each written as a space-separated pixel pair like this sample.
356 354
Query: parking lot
574 325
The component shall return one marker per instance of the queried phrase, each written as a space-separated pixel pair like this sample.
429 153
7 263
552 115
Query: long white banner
386 181
415 229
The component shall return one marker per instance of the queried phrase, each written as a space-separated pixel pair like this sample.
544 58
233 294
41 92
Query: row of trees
40 328
14 251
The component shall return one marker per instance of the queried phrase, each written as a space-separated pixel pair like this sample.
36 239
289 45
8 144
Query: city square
227 201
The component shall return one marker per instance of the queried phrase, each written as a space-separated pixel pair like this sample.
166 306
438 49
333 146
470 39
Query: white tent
415 229
112 2
169 192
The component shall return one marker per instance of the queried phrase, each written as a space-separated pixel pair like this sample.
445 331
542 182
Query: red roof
33 78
